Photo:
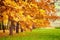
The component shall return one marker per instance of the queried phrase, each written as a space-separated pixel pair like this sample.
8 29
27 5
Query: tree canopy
28 12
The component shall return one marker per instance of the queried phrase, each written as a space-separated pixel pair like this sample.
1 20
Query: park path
4 34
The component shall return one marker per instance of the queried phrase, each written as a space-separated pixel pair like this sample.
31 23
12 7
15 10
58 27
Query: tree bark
0 26
11 27
11 31
17 27
3 27
22 30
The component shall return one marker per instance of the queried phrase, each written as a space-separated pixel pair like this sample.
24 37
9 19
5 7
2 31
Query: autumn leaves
28 13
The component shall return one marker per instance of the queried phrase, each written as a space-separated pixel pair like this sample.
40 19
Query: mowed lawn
36 34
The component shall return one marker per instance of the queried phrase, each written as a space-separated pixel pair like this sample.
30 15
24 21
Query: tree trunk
17 27
0 26
11 30
22 30
11 27
3 27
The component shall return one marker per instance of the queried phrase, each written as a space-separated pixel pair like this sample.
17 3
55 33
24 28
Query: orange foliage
30 12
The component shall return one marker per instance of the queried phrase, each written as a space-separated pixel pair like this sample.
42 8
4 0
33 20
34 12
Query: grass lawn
36 34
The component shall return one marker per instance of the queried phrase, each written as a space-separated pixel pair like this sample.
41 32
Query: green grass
37 34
